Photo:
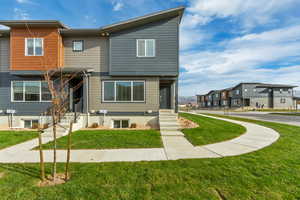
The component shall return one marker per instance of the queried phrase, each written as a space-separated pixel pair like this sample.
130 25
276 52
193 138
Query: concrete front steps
168 123
63 128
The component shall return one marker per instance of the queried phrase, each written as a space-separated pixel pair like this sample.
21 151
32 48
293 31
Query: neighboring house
257 95
297 102
216 98
129 69
201 101
225 101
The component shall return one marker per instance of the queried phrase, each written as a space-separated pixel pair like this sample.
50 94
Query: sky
222 42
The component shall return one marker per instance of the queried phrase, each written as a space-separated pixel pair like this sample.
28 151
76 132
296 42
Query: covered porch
168 94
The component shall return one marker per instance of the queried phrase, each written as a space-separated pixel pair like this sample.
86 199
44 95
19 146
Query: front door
165 97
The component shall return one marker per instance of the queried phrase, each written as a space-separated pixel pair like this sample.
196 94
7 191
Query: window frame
115 91
24 101
82 41
34 51
121 120
145 56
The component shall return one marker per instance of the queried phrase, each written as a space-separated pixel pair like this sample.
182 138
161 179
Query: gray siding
123 60
95 54
25 108
151 101
4 54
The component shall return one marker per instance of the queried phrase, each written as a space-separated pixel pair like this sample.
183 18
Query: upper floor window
237 92
30 91
34 46
123 91
77 45
145 48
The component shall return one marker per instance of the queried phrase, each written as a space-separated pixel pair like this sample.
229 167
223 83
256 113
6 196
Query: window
224 102
237 92
34 46
78 45
31 124
282 100
145 47
217 95
30 91
246 90
123 91
280 90
121 123
138 91
254 90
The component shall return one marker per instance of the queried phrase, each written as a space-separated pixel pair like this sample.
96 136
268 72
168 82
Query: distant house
252 95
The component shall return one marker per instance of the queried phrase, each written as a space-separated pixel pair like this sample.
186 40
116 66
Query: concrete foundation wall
140 121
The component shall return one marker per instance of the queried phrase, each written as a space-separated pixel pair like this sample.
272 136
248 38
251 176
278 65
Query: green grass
287 114
272 173
9 138
211 130
110 139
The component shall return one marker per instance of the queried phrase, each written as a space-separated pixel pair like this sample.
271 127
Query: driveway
264 116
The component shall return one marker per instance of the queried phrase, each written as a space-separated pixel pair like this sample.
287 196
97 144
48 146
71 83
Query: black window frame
82 41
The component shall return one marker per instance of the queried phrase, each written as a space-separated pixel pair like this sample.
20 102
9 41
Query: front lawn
110 139
272 173
211 130
9 138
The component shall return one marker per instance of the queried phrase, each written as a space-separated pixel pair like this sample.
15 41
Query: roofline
179 9
33 22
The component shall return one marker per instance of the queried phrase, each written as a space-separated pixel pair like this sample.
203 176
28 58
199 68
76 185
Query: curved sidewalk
175 147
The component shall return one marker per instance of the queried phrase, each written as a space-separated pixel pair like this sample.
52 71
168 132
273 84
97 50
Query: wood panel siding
94 54
151 101
4 54
52 58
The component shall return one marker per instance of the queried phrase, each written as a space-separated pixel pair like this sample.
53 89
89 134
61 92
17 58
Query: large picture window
30 91
145 47
34 46
123 91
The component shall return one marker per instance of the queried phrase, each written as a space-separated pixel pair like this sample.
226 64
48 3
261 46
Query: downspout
87 98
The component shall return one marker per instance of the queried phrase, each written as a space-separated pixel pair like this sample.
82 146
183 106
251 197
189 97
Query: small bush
133 125
94 125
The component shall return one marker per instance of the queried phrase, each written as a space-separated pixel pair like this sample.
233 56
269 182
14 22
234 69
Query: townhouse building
129 69
255 95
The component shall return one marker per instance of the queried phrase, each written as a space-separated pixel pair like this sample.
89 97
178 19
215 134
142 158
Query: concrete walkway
176 146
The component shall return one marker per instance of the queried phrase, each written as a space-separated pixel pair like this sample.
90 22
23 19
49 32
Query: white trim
145 40
24 101
115 91
34 53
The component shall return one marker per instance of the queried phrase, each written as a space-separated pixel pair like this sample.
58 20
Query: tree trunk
42 164
54 146
67 173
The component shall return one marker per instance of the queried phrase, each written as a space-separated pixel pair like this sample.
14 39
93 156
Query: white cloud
20 14
25 2
117 5
3 27
250 13
243 59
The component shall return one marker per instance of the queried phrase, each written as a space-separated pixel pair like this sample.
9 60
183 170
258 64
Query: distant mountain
187 99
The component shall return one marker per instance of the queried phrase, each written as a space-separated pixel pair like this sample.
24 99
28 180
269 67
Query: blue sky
223 42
